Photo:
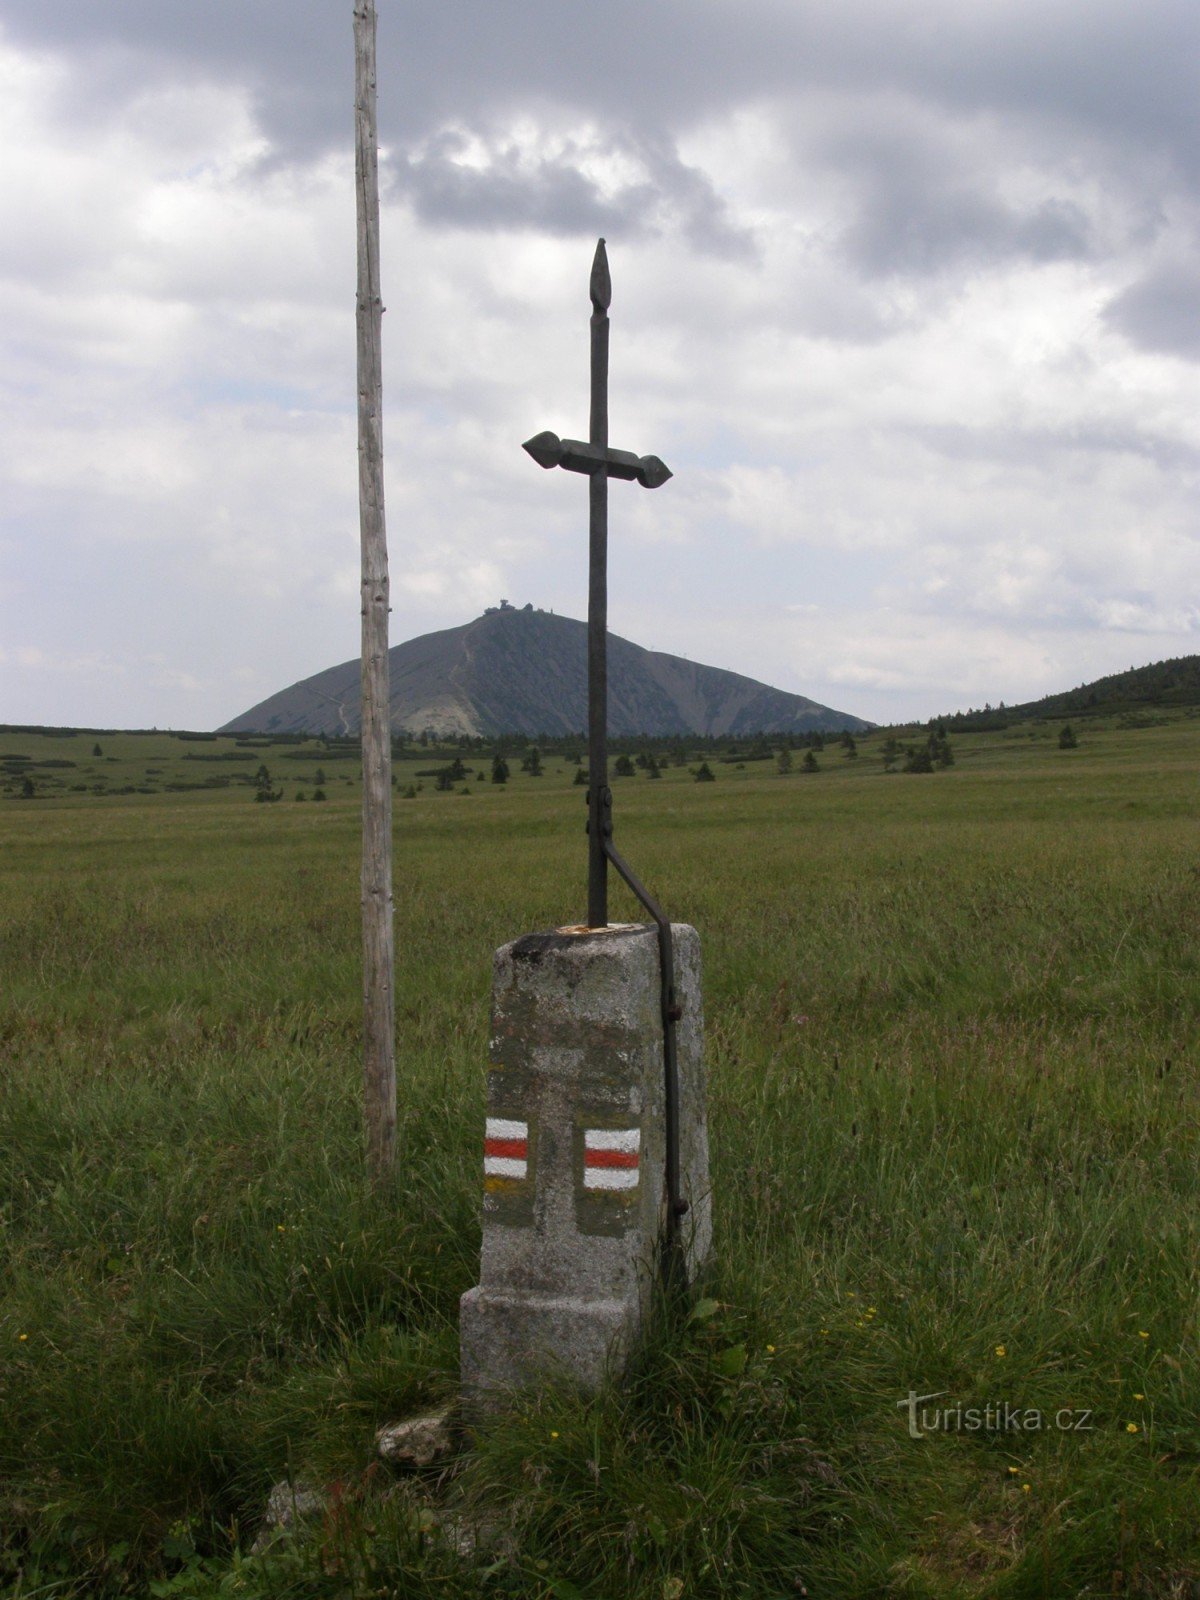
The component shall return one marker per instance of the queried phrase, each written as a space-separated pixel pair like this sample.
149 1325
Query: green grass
951 1041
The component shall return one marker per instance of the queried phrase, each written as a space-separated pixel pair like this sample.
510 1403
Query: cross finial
601 284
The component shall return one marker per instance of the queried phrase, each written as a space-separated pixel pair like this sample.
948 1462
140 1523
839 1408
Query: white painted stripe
504 1128
626 1140
610 1178
504 1167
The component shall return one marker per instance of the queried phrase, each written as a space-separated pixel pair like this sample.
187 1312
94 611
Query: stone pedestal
574 1205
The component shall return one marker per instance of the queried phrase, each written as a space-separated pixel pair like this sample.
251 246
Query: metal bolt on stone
596 1142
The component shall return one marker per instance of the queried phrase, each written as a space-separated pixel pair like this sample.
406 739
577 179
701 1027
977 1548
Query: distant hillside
1165 683
525 671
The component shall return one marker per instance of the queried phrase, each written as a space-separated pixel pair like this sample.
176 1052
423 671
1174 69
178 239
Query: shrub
704 773
263 791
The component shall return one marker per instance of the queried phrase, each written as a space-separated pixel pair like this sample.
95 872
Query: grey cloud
1101 65
1111 72
919 229
285 54
926 197
555 195
1046 449
1057 230
954 92
550 195
1161 312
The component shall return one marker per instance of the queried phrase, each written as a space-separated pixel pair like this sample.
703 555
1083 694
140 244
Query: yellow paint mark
502 1185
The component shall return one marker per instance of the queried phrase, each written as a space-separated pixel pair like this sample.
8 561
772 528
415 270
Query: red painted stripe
610 1158
516 1148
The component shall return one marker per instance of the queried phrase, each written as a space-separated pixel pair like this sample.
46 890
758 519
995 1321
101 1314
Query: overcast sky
906 292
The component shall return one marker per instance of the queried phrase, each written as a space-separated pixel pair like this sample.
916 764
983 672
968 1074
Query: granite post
574 1205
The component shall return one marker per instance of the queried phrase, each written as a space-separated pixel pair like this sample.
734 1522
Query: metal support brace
677 1206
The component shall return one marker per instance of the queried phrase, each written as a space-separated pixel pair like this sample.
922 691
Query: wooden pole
379 1046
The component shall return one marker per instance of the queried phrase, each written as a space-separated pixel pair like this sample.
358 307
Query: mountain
1163 683
525 671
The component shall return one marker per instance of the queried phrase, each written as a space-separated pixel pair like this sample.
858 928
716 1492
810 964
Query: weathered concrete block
574 1207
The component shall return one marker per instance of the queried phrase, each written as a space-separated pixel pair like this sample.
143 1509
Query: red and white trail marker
506 1148
610 1157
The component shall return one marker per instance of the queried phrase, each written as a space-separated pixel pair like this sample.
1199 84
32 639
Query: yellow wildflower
1132 1427
1139 1397
1001 1350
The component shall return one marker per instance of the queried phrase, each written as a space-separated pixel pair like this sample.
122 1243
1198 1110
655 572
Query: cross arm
576 455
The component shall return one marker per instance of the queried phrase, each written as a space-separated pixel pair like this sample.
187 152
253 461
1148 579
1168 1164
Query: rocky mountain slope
525 671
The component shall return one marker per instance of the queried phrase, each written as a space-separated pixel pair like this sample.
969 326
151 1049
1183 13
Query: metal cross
600 463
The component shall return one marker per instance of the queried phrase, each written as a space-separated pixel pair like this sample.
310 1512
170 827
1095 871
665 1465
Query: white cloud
912 329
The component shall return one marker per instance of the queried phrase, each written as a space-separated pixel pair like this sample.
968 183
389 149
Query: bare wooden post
379 1048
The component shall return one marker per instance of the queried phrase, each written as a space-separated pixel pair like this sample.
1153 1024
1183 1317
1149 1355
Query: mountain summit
525 671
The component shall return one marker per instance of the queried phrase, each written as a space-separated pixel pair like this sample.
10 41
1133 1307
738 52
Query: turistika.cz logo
995 1416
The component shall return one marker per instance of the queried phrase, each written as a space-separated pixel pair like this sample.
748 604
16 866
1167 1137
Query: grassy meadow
955 1131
